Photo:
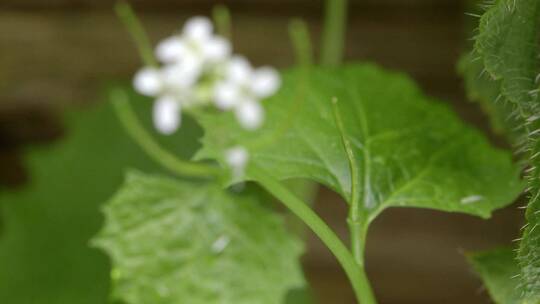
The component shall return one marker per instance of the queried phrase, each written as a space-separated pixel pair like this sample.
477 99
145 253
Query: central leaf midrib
365 191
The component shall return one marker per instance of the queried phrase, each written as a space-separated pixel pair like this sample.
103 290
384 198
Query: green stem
299 33
333 40
355 220
131 123
300 38
126 14
355 273
222 19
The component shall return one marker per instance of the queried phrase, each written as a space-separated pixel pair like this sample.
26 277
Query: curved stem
333 40
134 128
299 34
354 272
128 17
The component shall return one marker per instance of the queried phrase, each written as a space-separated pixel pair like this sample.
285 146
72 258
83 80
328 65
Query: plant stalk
128 17
222 19
357 219
134 128
355 273
333 39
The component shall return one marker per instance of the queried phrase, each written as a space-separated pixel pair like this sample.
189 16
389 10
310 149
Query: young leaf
508 44
44 252
411 150
181 242
498 270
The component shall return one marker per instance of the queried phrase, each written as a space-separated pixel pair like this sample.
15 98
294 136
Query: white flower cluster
199 69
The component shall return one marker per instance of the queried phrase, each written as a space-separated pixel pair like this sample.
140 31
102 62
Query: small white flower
239 70
198 69
225 95
243 88
195 45
180 77
171 86
237 158
217 49
198 27
167 114
170 49
255 83
265 82
250 114
148 81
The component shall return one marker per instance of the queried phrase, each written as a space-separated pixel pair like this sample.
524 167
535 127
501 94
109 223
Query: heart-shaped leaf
411 151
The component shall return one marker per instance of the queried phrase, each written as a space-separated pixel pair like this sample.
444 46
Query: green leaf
44 252
181 242
412 151
498 270
508 43
529 250
481 88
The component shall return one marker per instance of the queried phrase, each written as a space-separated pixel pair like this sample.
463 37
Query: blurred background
59 53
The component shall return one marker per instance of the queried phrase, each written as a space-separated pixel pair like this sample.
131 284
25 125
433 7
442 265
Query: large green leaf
180 242
44 252
411 151
498 269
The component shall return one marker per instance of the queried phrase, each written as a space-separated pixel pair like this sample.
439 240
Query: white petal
167 115
170 50
226 95
265 82
239 70
237 158
198 28
250 114
148 81
217 49
182 75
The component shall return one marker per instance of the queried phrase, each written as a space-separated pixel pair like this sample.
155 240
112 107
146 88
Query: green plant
506 52
205 231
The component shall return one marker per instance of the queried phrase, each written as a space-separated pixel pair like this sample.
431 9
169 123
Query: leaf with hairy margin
509 45
498 270
529 250
411 151
481 88
180 242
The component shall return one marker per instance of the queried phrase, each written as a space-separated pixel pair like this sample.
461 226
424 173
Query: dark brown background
58 52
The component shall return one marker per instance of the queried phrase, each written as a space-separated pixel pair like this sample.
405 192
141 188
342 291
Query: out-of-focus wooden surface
59 52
